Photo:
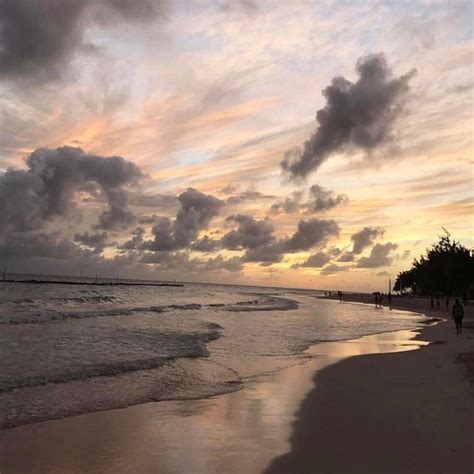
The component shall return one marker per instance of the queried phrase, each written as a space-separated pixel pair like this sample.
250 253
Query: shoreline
237 432
407 412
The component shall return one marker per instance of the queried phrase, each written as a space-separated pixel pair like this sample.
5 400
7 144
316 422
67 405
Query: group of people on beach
457 311
379 298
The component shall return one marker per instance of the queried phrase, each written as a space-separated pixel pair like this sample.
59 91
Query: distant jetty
91 283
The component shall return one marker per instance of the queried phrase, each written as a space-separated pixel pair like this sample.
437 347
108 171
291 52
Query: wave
260 304
67 299
191 345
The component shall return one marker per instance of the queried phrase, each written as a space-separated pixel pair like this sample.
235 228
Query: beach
347 407
407 412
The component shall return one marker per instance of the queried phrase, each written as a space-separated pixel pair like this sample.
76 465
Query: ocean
72 349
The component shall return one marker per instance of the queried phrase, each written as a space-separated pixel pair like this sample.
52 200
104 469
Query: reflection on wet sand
233 433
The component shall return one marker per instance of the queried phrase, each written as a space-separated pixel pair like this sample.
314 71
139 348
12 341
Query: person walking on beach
432 302
458 315
376 300
447 303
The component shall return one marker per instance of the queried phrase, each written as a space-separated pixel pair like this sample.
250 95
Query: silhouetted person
376 299
340 295
458 315
432 302
437 302
447 303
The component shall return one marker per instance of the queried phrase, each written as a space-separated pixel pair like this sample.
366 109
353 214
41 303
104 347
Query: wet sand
379 412
390 413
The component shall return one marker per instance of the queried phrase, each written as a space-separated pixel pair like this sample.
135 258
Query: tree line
447 269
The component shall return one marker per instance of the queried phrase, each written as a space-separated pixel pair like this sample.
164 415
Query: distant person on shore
376 300
340 295
458 315
447 303
432 302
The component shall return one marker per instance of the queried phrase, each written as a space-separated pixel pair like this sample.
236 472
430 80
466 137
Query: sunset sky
283 143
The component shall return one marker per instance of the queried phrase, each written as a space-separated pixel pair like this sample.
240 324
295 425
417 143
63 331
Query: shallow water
240 432
73 349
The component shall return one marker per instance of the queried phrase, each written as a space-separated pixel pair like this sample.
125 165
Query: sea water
71 349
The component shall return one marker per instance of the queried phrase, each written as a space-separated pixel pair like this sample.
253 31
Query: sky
310 144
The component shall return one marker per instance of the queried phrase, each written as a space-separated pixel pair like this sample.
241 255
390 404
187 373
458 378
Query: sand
393 413
351 409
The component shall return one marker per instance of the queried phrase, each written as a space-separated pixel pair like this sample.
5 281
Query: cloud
38 39
97 241
206 244
180 261
311 233
316 260
247 196
195 213
333 268
289 205
359 114
318 200
324 199
364 238
249 234
47 188
165 201
136 241
379 256
52 246
260 244
346 257
266 254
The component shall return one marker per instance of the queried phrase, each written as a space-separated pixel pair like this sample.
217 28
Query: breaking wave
263 303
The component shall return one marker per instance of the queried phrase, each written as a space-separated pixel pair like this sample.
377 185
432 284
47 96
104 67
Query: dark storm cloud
250 233
38 38
47 188
379 256
316 260
195 213
359 114
311 233
365 238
